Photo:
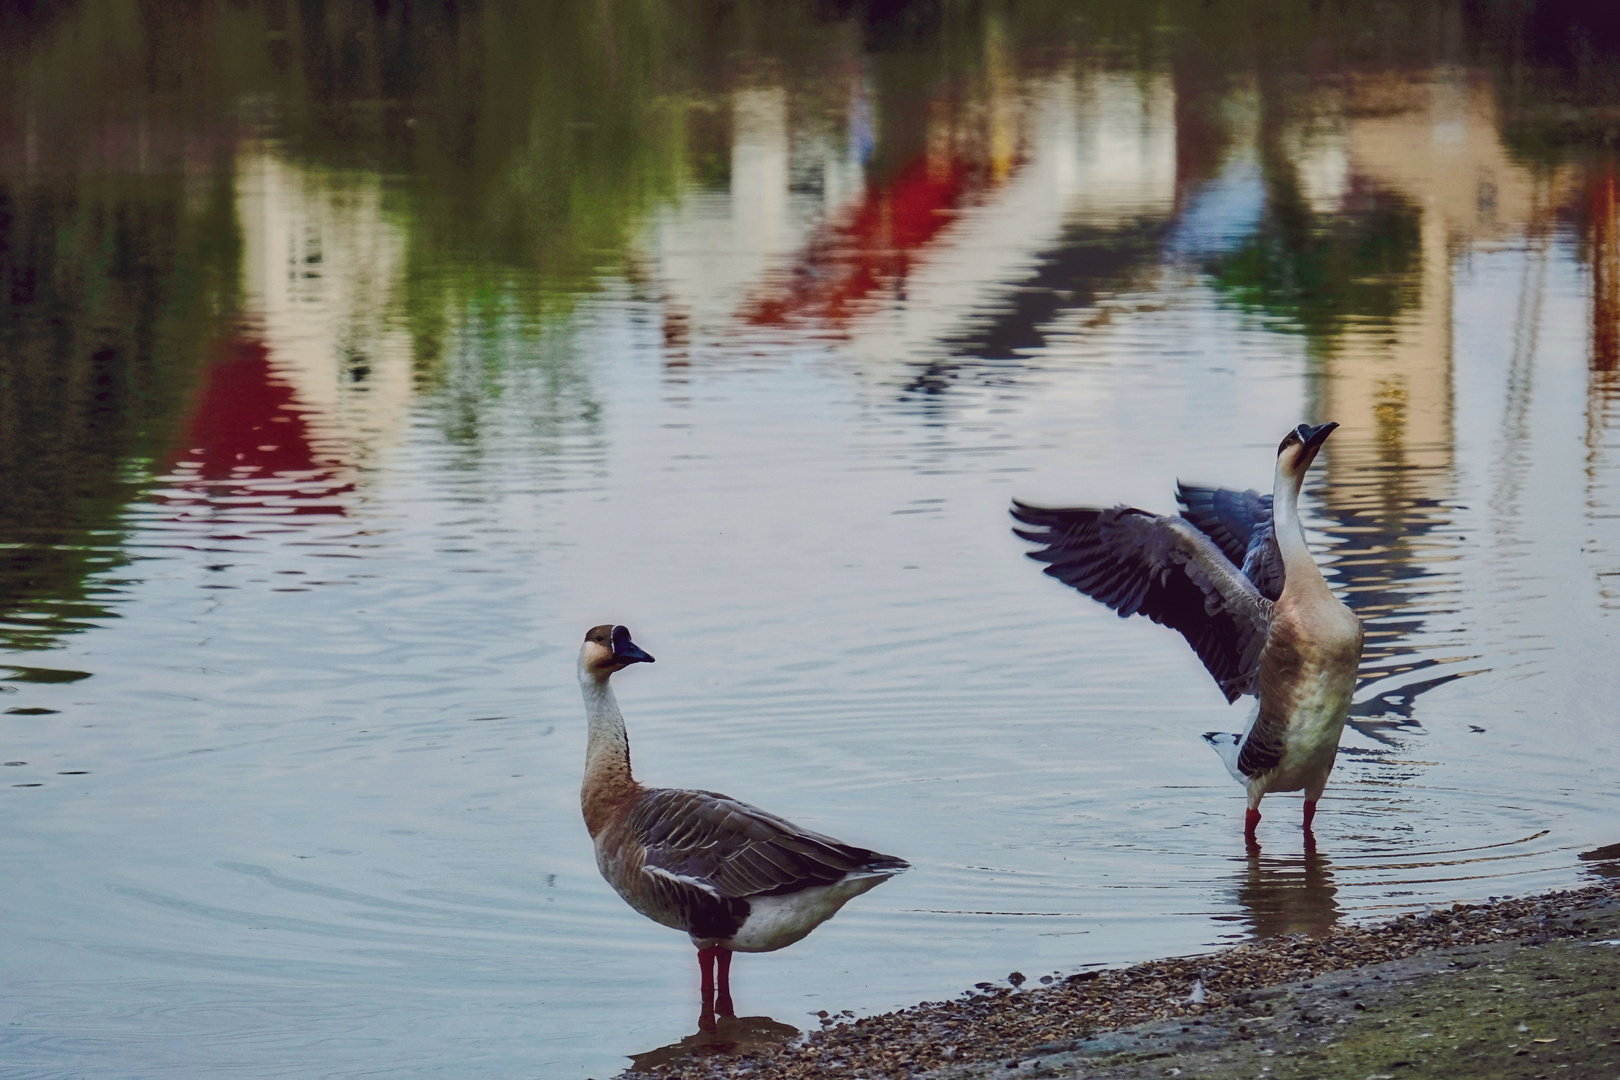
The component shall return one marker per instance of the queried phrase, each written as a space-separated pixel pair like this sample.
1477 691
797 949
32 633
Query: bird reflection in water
1603 861
1291 894
732 1035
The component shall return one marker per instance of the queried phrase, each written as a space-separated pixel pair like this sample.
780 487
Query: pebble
1008 1025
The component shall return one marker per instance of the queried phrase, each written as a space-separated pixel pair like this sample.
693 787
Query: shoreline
1215 1014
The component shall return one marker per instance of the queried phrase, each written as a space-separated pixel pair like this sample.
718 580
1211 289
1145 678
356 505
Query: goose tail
1227 746
879 865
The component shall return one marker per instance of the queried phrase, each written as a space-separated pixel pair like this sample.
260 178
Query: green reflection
1312 273
111 289
523 145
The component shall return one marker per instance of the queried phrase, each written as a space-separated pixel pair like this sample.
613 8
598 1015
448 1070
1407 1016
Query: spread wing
1240 524
730 850
1164 568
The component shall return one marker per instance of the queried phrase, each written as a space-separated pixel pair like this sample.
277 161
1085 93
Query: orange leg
706 958
1310 813
722 1002
1250 820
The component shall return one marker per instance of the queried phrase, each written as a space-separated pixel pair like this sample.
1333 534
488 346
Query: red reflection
247 448
844 264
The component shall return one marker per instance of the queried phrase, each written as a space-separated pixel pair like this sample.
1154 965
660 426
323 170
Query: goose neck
1300 570
607 751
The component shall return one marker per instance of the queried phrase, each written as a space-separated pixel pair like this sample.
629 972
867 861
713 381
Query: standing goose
732 876
1233 574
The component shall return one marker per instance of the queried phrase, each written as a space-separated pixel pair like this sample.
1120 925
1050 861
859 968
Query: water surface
355 367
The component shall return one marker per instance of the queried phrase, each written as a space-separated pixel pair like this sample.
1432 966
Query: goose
734 877
1233 574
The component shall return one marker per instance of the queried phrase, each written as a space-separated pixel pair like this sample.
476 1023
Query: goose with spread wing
1233 574
733 876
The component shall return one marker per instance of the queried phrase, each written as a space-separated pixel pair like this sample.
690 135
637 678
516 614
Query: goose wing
730 850
1240 524
1162 567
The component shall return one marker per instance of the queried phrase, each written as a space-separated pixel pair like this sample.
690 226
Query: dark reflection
733 1036
1603 861
1601 239
1564 79
1291 894
41 675
1394 708
1086 263
112 289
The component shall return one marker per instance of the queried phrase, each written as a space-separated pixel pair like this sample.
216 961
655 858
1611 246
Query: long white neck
607 745
1301 575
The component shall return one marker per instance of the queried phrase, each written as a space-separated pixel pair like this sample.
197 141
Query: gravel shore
1321 1007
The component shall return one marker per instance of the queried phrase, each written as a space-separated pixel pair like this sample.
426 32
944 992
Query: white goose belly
1311 742
775 922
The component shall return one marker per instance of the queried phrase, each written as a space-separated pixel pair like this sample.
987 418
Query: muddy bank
1515 988
1544 1006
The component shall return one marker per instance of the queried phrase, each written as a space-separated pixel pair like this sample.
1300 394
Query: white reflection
323 269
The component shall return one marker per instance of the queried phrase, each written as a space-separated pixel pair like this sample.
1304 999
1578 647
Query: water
345 390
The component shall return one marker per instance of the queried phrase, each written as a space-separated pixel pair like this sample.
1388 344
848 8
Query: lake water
355 364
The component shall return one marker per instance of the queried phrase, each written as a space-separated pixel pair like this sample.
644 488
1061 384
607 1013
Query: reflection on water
1291 894
1604 861
354 355
247 452
1601 236
111 292
1296 894
733 1036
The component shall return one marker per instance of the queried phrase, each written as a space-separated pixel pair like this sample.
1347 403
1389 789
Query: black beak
1313 438
626 651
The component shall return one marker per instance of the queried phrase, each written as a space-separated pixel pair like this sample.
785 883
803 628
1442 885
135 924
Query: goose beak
626 651
1313 438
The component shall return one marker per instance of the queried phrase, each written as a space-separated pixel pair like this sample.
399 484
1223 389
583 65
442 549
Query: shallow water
346 394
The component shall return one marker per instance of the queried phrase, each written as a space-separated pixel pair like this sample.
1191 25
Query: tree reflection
111 291
1313 273
521 147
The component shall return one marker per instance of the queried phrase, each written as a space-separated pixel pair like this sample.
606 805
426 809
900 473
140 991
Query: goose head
607 649
1298 449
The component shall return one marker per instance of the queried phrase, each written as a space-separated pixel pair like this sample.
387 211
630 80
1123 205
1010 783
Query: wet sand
1522 987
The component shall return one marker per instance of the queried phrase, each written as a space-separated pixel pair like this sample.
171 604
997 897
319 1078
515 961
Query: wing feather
1262 750
1162 567
735 851
1240 524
